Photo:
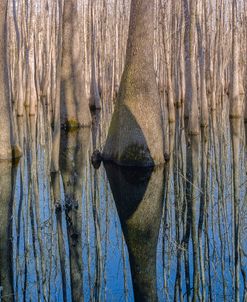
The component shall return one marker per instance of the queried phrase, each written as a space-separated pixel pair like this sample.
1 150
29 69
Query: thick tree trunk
135 136
8 150
74 105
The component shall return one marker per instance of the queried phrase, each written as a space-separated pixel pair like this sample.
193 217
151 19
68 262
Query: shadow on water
138 194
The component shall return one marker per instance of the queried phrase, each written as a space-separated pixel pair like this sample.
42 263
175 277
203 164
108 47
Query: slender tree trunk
203 91
94 101
56 116
235 100
192 89
8 149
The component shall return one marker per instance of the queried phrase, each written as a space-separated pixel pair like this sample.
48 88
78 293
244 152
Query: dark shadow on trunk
123 150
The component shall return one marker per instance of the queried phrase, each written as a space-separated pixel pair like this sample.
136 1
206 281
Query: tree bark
235 100
8 149
94 100
74 105
135 136
192 89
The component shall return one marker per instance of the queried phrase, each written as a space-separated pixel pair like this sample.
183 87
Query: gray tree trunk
135 136
235 100
7 148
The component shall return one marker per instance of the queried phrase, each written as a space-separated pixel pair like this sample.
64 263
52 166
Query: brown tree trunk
74 105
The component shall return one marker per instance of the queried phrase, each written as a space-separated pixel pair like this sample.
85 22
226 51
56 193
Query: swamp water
165 234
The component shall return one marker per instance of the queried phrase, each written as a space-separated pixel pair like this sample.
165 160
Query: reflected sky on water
173 233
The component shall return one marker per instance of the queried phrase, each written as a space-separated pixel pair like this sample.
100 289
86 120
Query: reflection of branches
203 202
107 235
96 217
206 203
214 247
242 267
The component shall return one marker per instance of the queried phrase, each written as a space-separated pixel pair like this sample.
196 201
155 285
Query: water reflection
138 194
235 125
73 155
7 184
116 234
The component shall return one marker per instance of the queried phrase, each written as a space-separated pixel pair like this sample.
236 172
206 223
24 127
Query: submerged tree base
135 136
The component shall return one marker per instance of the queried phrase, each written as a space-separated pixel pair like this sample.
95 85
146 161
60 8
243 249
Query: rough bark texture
7 148
135 136
138 195
74 105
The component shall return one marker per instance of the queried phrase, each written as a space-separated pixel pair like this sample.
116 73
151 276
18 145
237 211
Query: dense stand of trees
60 58
183 224
51 58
